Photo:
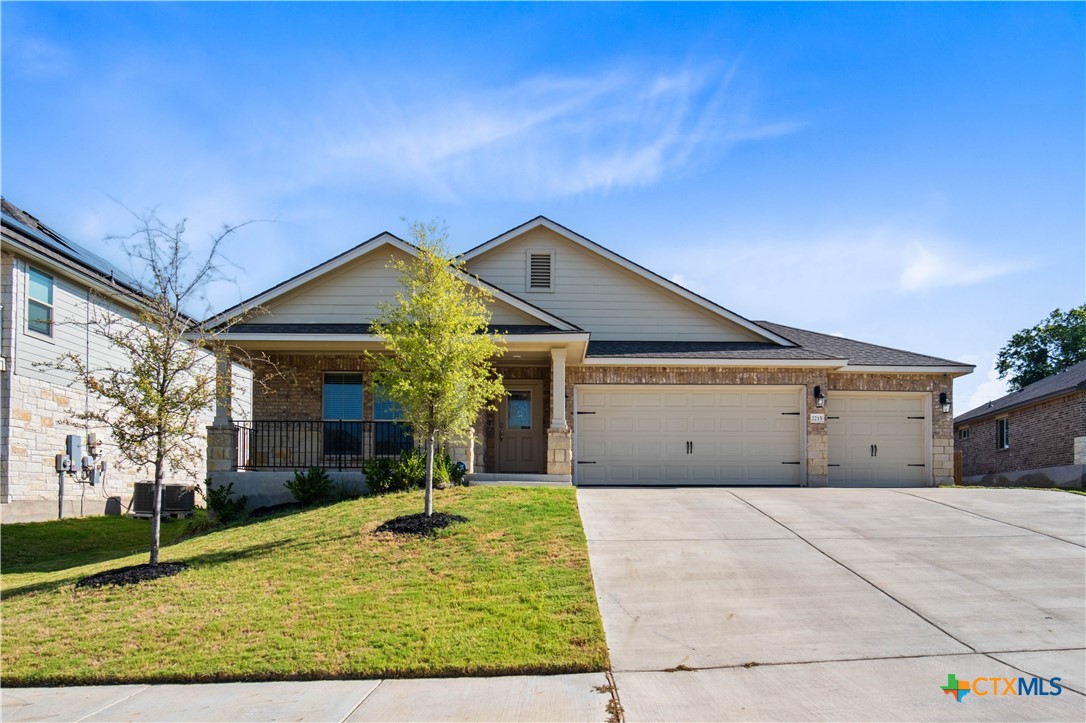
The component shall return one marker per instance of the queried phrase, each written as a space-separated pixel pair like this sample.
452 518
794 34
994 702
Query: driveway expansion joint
986 517
914 611
364 699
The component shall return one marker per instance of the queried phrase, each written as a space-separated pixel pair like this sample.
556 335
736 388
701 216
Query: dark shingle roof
1068 380
858 353
272 328
700 350
55 245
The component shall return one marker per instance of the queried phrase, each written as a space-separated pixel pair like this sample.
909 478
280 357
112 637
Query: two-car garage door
721 435
635 435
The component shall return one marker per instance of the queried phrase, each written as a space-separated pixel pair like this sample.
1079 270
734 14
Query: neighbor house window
390 434
1003 433
963 433
343 413
39 305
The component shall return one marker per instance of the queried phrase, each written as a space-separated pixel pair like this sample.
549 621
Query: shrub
199 523
409 472
219 501
311 486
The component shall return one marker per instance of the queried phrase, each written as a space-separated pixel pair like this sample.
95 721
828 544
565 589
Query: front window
1003 433
39 305
390 434
343 413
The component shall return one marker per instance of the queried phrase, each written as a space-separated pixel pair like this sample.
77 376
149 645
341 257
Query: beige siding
600 296
351 294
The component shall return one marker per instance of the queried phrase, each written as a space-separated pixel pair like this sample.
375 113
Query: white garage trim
884 415
699 434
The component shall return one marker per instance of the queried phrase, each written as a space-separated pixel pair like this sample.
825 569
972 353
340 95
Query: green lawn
313 595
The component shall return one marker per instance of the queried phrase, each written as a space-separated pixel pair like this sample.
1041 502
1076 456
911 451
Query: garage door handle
918 465
874 450
585 412
833 465
789 462
583 462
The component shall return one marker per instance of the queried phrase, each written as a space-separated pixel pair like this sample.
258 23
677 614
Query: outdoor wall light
820 398
944 402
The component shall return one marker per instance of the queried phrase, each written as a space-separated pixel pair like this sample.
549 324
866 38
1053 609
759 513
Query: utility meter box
73 446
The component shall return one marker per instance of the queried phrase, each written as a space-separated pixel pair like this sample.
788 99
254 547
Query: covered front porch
325 411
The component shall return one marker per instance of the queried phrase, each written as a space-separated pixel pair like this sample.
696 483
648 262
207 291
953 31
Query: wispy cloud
546 136
35 57
928 266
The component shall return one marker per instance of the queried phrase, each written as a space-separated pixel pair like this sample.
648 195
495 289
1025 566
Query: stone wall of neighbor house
817 439
40 422
1042 435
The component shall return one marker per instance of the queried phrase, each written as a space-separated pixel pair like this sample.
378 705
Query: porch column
222 437
224 392
558 389
559 439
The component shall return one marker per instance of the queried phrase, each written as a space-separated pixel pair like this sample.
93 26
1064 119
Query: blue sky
906 174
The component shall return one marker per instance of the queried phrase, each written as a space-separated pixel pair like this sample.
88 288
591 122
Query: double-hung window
390 434
342 413
39 303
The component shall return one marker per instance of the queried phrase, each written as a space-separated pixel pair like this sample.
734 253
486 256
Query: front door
521 442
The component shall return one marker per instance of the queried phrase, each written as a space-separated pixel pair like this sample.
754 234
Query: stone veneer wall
817 440
37 433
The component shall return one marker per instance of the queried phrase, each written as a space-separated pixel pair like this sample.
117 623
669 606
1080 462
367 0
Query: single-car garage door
708 435
878 440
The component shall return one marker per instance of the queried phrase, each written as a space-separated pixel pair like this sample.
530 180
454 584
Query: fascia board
671 361
629 266
956 370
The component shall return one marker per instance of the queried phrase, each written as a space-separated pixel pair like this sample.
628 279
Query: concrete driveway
840 604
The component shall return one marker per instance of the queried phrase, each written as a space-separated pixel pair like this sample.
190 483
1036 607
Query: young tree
165 376
438 362
1056 343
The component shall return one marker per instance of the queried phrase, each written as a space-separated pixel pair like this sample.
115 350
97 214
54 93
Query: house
1035 437
615 376
50 289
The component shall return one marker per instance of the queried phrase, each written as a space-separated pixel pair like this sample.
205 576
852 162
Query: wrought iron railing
330 444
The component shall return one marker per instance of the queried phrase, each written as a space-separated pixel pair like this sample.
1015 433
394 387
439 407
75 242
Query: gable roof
36 236
366 247
1070 379
713 308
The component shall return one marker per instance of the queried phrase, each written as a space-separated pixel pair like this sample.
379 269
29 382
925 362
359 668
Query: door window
519 410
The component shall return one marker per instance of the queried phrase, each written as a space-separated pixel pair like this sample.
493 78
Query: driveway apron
819 604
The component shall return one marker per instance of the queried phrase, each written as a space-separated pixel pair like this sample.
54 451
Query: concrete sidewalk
523 698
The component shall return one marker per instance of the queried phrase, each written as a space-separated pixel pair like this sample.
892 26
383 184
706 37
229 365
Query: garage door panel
735 436
874 442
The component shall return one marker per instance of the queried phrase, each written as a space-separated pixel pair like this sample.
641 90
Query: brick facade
1041 435
817 436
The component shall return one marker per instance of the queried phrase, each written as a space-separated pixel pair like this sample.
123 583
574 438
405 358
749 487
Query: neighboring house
1035 437
615 376
50 288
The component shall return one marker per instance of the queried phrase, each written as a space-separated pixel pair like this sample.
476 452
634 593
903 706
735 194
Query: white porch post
558 389
559 438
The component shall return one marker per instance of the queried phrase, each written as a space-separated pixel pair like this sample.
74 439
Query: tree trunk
430 476
156 514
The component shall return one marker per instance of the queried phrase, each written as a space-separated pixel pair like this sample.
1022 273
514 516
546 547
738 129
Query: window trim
49 306
529 253
1003 433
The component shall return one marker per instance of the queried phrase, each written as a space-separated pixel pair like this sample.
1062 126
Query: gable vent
540 271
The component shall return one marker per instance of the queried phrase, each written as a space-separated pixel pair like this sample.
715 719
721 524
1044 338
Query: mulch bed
420 524
133 574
